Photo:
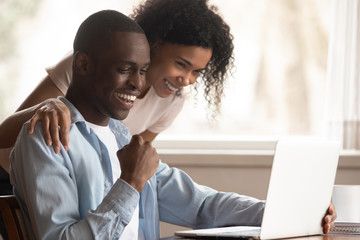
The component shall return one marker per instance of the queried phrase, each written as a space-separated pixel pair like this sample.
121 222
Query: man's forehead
127 47
128 36
129 40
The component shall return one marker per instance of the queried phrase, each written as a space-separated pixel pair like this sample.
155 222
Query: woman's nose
186 80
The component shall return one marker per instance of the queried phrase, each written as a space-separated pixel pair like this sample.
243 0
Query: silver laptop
299 192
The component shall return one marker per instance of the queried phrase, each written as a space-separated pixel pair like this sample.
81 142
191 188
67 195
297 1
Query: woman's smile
170 86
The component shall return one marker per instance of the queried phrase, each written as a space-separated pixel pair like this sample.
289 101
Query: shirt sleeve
185 203
168 116
61 73
45 185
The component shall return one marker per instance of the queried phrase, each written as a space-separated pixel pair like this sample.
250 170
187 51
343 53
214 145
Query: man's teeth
170 86
129 98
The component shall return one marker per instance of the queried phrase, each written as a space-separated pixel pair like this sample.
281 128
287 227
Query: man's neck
87 110
92 116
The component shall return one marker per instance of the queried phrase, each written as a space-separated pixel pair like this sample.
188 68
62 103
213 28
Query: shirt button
107 184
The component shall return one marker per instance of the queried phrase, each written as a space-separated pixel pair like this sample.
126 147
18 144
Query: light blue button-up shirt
71 196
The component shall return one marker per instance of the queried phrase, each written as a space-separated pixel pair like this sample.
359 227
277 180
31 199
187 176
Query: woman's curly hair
192 23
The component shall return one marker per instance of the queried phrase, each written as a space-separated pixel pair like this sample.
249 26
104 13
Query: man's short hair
96 30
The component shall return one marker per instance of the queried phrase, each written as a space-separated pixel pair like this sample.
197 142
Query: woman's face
174 66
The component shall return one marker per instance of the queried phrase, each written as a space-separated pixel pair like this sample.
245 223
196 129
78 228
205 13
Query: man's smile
126 99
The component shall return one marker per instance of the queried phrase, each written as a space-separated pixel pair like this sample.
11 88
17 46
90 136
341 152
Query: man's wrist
136 184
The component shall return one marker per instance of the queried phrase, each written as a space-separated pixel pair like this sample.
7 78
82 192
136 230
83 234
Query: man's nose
137 80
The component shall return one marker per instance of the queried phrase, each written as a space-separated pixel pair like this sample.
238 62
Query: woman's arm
10 127
148 135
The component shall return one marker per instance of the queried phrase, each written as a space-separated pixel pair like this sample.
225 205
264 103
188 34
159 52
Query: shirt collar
75 115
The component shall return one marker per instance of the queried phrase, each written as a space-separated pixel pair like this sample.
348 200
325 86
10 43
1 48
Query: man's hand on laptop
328 221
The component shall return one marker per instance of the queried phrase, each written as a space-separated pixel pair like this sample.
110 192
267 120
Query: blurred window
277 87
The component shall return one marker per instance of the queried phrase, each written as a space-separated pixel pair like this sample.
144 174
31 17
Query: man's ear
82 63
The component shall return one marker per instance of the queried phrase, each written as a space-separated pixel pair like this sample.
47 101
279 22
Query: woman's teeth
170 86
128 98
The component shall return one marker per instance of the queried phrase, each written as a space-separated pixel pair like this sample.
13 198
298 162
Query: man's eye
143 71
124 70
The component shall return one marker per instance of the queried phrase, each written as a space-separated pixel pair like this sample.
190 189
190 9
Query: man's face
118 76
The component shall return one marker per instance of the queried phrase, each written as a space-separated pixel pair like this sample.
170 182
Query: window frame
244 152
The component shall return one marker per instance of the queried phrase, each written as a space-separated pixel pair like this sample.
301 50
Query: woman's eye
181 64
195 73
200 72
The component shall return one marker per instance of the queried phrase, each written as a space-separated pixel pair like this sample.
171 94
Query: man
111 58
92 190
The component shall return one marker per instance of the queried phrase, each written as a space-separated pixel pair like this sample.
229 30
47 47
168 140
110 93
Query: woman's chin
164 92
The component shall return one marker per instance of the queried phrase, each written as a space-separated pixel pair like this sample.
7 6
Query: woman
188 40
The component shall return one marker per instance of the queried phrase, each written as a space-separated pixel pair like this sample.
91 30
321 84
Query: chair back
13 218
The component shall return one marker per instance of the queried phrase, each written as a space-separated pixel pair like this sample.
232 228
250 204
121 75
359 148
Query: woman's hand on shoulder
53 114
148 136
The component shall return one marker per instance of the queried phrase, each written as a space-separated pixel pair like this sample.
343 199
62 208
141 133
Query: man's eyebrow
127 62
186 61
133 63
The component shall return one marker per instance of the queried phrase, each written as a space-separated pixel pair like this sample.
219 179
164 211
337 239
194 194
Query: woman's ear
82 63
154 46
